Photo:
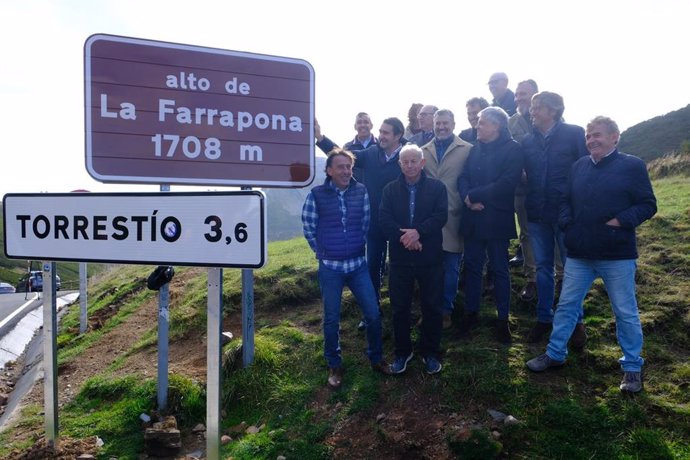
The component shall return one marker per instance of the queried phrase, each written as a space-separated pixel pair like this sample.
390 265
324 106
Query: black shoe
503 331
362 325
469 321
538 332
529 293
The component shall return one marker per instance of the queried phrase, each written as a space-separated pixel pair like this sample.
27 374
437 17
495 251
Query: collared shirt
441 147
597 161
310 218
393 153
412 188
356 145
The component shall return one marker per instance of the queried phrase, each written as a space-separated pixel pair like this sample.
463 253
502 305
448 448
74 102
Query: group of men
437 201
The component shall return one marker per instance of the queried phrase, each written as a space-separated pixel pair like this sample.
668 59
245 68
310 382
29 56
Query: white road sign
210 229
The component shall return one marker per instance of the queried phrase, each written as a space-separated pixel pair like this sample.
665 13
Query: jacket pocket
611 241
575 239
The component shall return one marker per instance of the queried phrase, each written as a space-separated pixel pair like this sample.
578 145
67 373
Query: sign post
50 375
214 361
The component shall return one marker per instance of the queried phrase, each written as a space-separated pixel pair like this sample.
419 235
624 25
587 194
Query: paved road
20 320
13 306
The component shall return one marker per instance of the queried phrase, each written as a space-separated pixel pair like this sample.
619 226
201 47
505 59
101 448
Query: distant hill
655 137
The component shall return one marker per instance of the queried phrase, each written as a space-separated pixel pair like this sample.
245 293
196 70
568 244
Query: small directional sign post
211 229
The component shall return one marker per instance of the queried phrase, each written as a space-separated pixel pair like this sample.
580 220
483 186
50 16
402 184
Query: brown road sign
159 112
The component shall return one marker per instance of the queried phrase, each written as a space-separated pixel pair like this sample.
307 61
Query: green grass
575 412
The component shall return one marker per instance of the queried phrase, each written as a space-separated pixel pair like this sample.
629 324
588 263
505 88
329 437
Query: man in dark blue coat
550 151
608 195
487 188
414 209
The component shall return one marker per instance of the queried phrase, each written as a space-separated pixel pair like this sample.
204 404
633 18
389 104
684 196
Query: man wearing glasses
426 124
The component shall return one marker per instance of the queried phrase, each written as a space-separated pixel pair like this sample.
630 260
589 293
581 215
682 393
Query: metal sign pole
50 394
163 322
163 315
213 362
247 317
247 314
83 318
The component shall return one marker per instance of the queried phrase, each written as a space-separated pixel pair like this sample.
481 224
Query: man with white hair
414 209
487 188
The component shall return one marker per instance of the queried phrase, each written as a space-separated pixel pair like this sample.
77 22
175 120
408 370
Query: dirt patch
67 449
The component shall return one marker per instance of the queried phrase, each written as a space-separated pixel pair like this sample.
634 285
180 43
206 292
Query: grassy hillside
576 412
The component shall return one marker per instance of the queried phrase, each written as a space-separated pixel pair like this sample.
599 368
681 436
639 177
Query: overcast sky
623 59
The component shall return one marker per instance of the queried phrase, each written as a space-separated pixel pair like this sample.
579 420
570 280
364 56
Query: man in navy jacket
487 188
550 150
608 195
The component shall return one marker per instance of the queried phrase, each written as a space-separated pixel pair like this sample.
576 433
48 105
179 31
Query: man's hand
613 222
409 238
415 247
317 131
473 206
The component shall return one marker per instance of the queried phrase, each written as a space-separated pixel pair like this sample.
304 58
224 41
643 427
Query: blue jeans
332 283
619 280
475 253
451 276
377 248
544 237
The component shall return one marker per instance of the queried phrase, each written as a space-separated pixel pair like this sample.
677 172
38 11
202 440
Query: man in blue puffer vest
608 195
335 220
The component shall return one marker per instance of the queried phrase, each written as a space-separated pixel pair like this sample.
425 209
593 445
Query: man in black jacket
414 209
608 195
487 187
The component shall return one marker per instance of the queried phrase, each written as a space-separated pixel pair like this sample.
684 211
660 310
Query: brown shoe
529 293
382 366
335 377
579 337
538 332
447 320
